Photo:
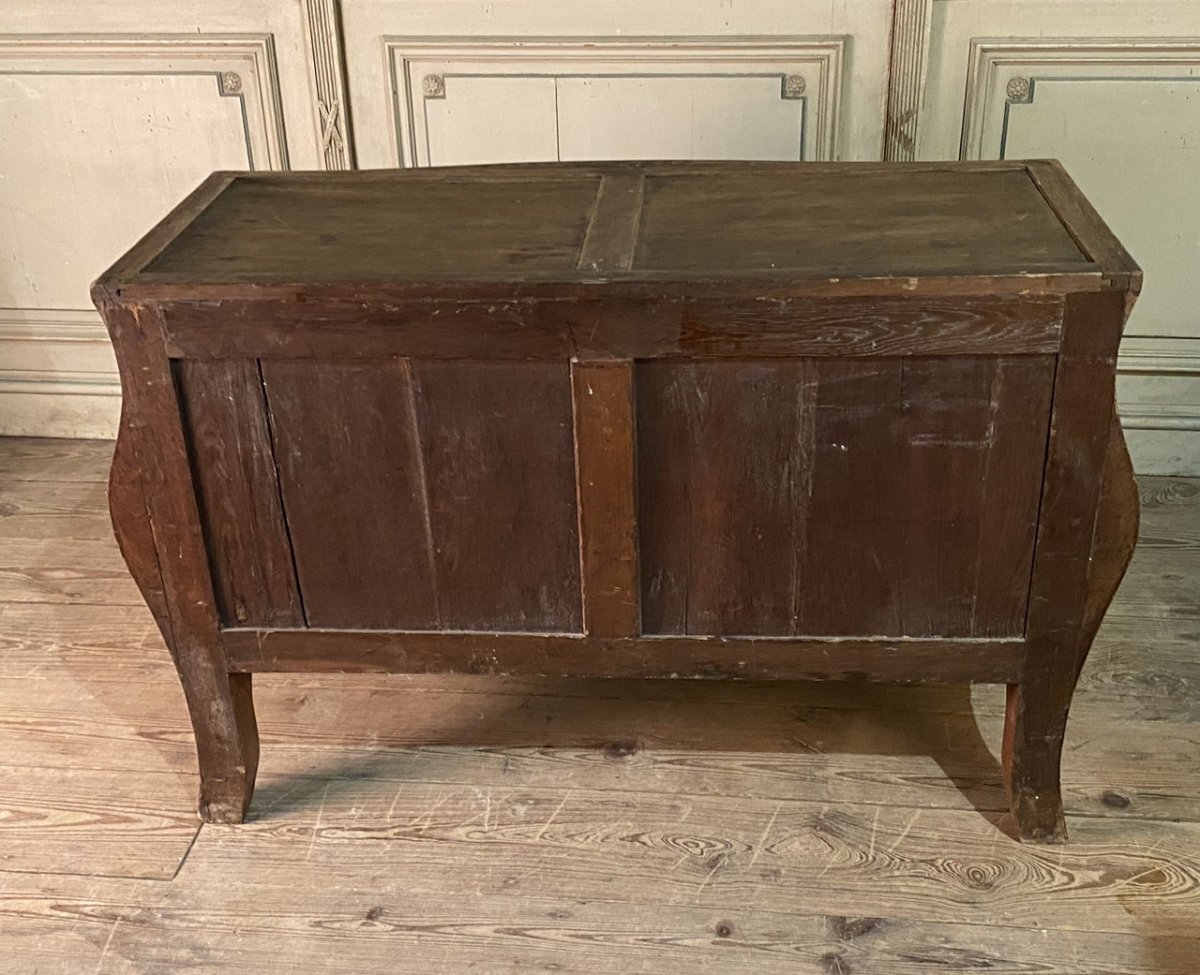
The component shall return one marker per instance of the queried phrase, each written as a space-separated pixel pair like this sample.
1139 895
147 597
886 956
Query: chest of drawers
665 420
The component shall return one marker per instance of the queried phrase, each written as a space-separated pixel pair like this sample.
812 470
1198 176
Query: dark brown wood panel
979 425
403 228
1013 464
760 219
152 435
500 472
353 491
700 325
429 495
233 464
848 498
1084 224
723 454
161 235
561 655
851 559
778 221
842 387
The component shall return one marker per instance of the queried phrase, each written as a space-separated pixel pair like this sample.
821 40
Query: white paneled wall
569 99
538 78
110 113
1113 90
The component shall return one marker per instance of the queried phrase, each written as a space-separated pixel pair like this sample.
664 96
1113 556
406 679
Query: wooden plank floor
450 825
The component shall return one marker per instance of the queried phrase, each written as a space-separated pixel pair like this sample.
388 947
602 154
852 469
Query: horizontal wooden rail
564 655
719 327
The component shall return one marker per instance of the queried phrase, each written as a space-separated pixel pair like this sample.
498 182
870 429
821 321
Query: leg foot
1032 762
228 751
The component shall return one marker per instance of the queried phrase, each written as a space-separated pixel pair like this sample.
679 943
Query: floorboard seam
187 852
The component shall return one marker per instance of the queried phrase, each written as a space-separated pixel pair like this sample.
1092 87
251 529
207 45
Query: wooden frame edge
573 655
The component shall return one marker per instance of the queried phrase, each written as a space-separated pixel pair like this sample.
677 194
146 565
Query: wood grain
503 654
649 326
903 748
158 525
237 489
850 224
459 511
403 228
41 509
86 571
968 559
377 931
605 436
702 851
373 566
645 285
613 226
1079 435
121 641
162 234
1085 224
1115 534
97 823
854 557
52 461
725 452
761 219
814 496
498 457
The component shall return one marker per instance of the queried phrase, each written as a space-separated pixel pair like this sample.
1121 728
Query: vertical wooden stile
602 394
152 436
1056 637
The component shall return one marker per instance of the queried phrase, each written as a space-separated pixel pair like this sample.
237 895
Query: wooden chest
662 420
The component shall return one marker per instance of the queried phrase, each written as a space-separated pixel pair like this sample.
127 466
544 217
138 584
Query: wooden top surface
530 229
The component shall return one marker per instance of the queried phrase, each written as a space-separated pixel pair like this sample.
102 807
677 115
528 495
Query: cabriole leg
157 527
1036 716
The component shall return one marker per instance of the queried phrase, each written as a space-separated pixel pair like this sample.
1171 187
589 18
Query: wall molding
60 324
32 339
817 61
243 66
57 382
1001 67
1160 416
323 31
42 396
1170 355
1160 356
908 69
57 376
